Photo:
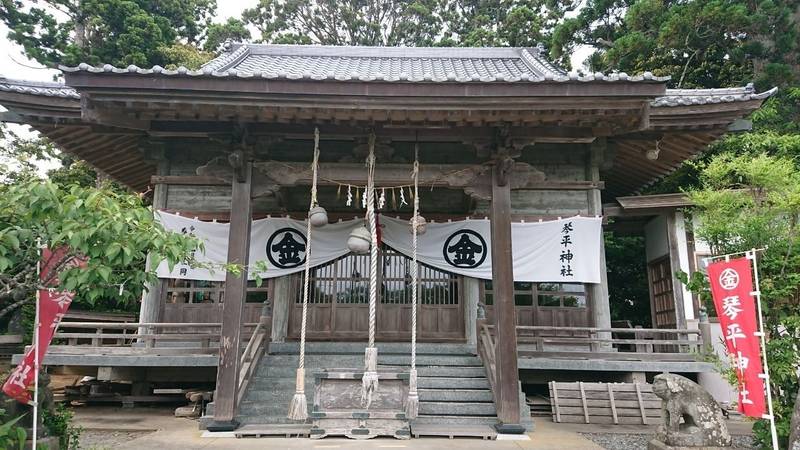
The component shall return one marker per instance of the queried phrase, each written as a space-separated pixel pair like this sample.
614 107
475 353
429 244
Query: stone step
451 371
274 370
455 395
457 409
341 361
455 420
266 409
357 348
270 395
260 420
452 383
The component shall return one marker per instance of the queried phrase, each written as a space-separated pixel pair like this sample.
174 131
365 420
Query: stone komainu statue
702 423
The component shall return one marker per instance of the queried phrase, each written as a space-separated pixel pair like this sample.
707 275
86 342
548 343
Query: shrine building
521 169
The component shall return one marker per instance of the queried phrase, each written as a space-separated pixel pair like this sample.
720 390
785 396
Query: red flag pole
765 376
36 348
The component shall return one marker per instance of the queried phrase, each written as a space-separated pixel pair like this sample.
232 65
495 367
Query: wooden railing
619 343
486 350
252 354
197 337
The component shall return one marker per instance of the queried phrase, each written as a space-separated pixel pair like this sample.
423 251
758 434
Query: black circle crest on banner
286 248
465 249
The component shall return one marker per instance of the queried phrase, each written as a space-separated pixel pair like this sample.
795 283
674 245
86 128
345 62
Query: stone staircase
453 387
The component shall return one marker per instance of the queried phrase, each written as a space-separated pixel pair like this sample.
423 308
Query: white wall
683 257
713 381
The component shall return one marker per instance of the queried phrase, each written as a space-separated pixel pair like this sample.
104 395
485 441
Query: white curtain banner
564 250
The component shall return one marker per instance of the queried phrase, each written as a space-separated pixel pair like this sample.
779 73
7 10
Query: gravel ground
630 441
102 440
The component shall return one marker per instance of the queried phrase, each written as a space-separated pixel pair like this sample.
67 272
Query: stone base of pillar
223 425
509 428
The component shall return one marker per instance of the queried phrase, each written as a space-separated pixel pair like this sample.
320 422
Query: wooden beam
507 375
225 406
111 117
224 216
187 180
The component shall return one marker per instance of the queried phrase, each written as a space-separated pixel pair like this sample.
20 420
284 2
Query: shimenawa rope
298 408
369 381
412 402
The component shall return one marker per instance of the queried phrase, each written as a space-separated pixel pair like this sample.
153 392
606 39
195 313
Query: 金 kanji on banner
732 290
52 307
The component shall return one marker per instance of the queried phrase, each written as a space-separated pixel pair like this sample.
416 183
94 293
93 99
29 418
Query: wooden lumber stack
605 403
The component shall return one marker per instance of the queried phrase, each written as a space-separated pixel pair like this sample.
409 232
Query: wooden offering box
337 407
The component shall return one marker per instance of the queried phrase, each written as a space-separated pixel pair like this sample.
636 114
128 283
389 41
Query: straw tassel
412 403
369 382
298 408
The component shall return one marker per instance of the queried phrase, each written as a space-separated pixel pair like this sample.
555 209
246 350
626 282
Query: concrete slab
179 434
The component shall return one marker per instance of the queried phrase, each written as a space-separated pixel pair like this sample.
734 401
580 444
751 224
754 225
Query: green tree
752 200
627 273
408 22
118 32
217 33
114 231
700 43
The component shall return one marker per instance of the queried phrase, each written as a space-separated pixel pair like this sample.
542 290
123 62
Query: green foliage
627 272
113 230
19 155
407 22
119 32
184 55
233 29
59 423
11 435
752 200
700 43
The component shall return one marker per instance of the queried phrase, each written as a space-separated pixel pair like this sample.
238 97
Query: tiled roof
392 64
47 89
674 97
687 97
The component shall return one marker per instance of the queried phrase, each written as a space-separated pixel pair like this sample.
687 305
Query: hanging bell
421 224
318 216
359 240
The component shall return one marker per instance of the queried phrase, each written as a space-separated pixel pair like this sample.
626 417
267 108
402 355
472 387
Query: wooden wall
560 162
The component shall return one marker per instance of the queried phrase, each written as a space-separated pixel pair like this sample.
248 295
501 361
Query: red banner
733 293
52 307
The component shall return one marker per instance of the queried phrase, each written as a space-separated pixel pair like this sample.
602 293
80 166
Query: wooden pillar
601 309
225 406
280 307
472 291
152 296
674 243
506 372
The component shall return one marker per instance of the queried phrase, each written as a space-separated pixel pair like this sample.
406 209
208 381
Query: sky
14 64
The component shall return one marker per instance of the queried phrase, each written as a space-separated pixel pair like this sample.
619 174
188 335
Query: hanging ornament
318 216
349 196
359 240
402 198
394 199
421 224
382 199
364 200
338 192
